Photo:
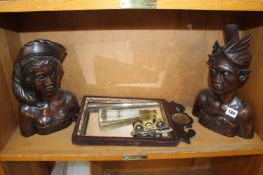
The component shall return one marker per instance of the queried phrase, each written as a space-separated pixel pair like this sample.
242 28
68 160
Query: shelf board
58 146
56 5
59 5
233 5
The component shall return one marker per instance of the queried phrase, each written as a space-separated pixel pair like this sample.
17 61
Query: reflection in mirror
115 117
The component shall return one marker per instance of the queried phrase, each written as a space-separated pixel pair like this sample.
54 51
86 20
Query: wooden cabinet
132 53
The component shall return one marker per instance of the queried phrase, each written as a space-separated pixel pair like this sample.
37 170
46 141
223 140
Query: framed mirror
127 121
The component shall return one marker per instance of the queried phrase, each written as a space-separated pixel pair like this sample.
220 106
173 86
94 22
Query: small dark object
182 119
44 107
219 109
178 125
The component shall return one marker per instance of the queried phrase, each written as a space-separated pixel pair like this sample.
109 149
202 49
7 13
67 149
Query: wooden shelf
233 5
58 146
59 5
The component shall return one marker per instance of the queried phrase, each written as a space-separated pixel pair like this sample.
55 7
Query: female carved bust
44 107
220 109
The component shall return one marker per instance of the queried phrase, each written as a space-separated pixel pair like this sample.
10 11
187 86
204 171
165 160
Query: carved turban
235 51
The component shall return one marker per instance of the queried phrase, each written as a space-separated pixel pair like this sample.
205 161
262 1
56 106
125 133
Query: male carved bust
220 109
44 107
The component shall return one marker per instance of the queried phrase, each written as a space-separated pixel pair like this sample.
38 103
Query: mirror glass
119 117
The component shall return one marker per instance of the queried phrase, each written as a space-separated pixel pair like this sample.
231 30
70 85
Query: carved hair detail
235 51
31 56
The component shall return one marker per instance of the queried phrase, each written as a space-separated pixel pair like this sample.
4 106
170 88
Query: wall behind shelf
134 53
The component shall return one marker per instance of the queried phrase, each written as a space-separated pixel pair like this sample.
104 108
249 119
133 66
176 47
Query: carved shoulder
71 98
24 109
200 99
246 122
246 112
71 103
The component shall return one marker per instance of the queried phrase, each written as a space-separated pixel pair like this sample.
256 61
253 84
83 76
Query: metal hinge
138 4
135 157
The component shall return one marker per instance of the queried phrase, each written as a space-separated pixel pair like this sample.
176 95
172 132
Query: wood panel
27 168
242 165
7 117
130 20
132 54
245 5
133 63
7 102
96 168
181 166
57 5
259 169
2 172
9 46
252 91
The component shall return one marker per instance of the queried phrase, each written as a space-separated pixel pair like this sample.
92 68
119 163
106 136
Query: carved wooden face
224 77
46 80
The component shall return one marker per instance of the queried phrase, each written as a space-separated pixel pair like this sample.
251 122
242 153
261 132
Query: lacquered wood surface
58 5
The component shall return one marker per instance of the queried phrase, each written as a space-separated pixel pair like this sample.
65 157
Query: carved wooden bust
45 108
219 108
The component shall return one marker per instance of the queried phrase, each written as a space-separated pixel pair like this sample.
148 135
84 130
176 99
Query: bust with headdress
44 108
219 108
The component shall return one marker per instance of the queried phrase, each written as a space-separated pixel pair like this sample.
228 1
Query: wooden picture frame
87 130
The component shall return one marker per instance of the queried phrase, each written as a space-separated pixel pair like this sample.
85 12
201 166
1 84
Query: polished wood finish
57 5
44 107
228 71
245 5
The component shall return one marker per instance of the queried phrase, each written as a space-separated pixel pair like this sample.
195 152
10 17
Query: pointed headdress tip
237 52
231 33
